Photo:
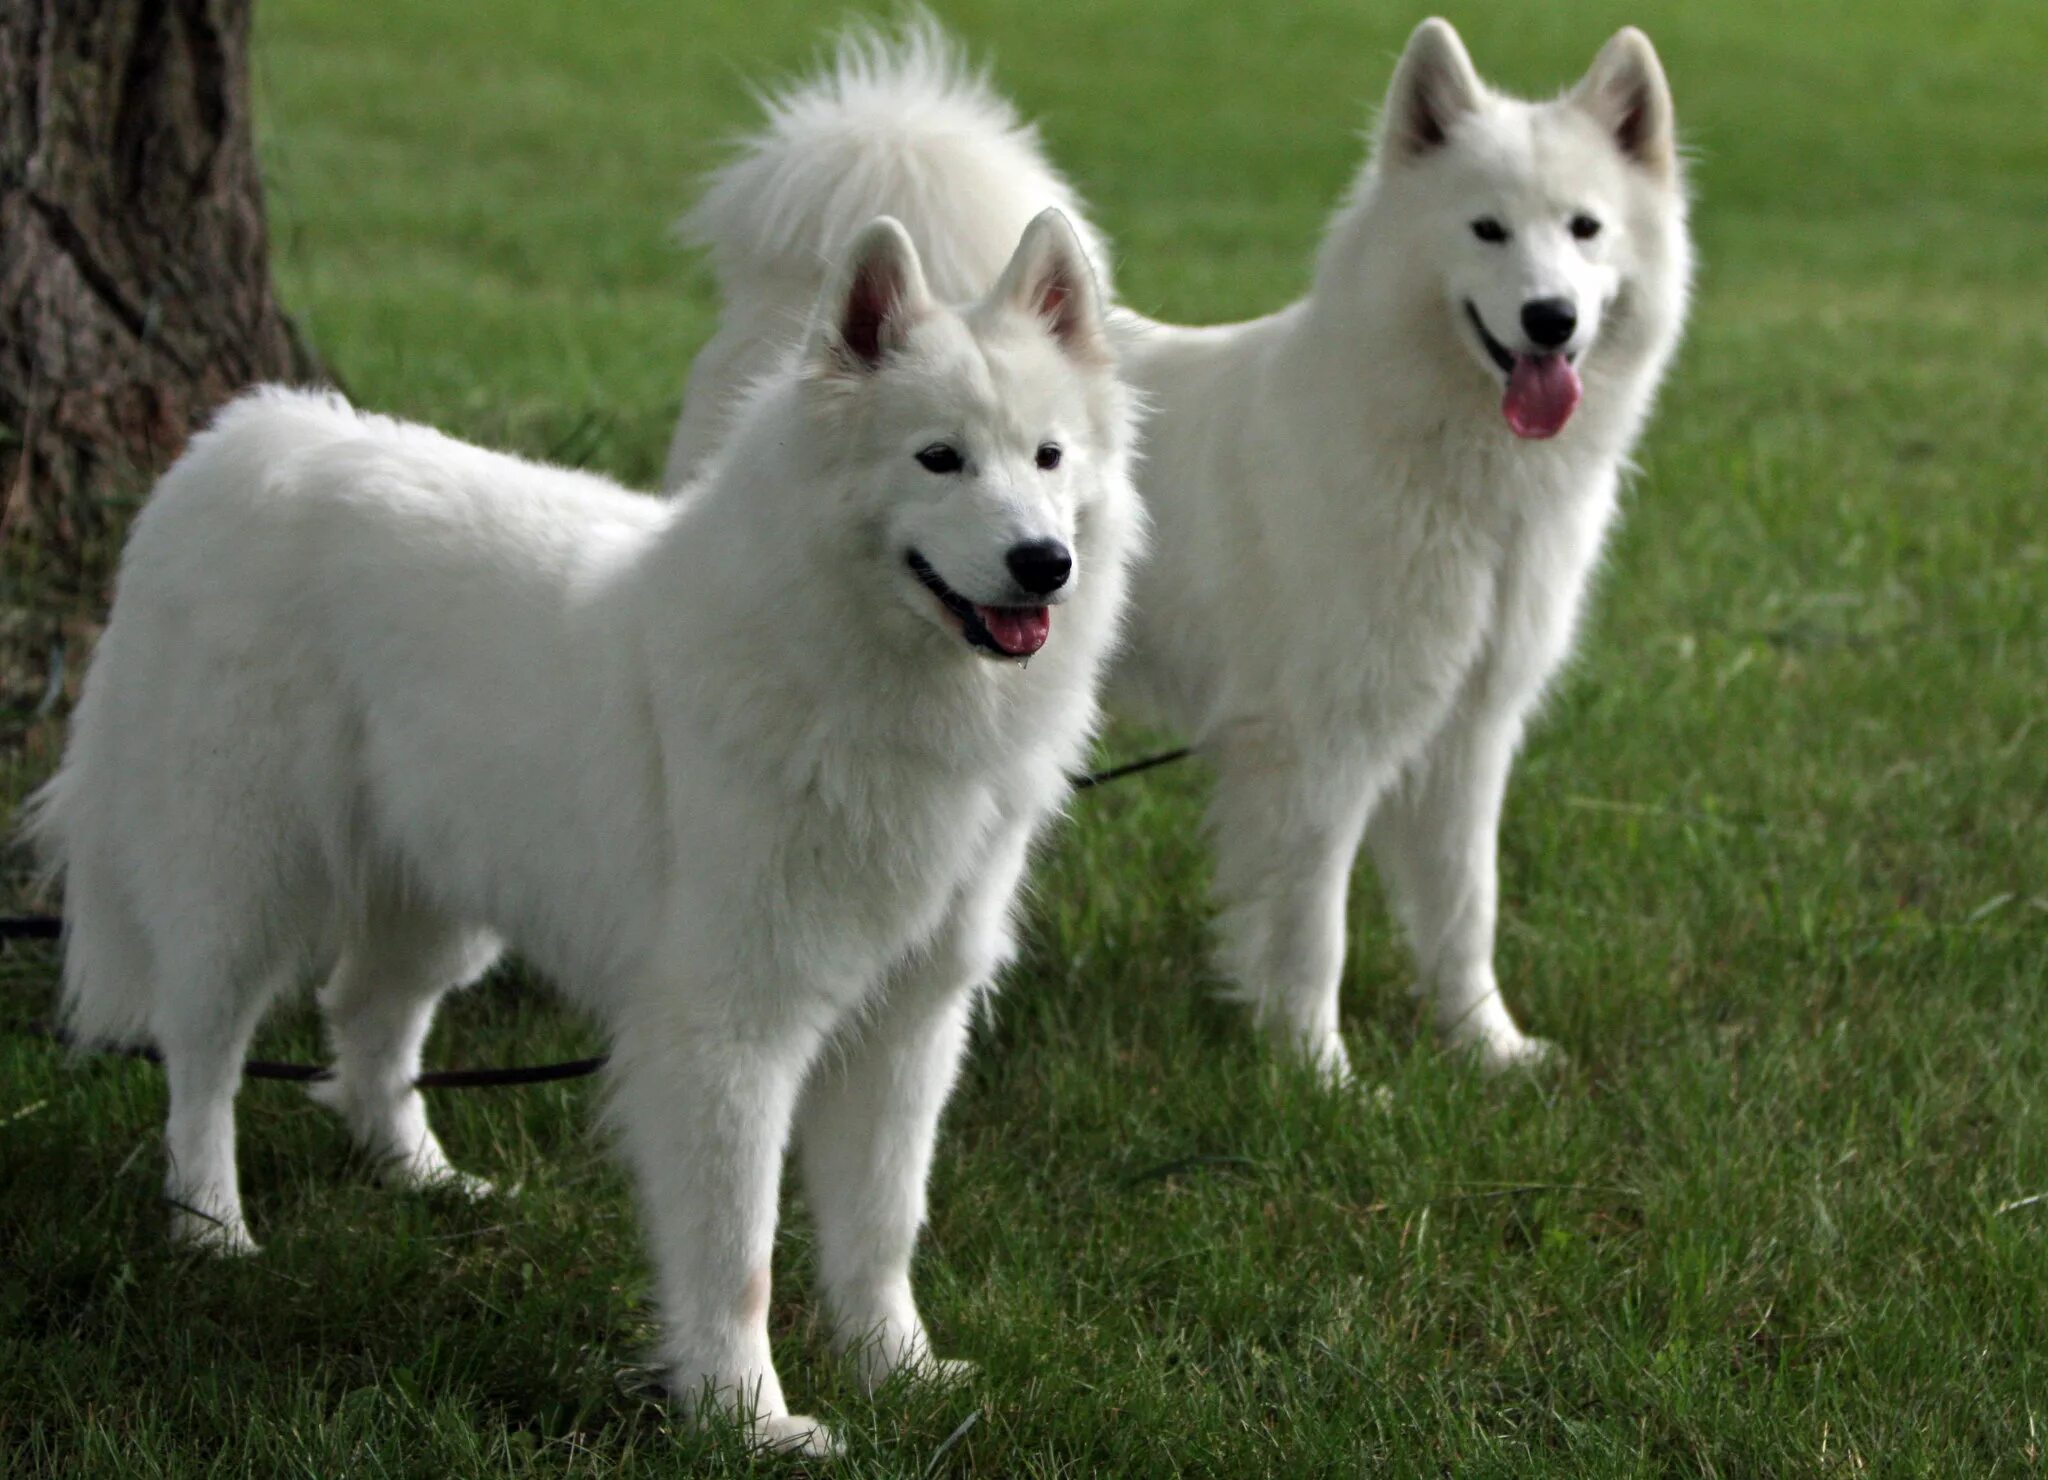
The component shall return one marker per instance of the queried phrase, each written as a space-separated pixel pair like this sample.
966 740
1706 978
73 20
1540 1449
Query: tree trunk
135 287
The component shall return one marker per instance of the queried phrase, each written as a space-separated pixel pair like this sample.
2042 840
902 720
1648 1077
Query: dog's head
1554 231
986 446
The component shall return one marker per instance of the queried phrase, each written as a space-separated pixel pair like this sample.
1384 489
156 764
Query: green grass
1777 861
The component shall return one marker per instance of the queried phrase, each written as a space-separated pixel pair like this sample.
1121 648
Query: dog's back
361 584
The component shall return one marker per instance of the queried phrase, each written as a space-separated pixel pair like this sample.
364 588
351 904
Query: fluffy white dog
1375 511
752 774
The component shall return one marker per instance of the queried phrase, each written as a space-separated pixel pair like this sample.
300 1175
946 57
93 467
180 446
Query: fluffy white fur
372 700
1362 579
896 128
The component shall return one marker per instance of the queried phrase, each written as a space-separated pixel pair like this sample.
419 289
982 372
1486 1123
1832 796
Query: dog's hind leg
868 1123
205 1013
379 1005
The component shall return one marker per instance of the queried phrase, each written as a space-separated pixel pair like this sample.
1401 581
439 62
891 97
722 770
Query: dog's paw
934 1372
1321 1053
215 1237
880 1362
429 1170
1522 1052
1487 1033
1332 1063
463 1186
793 1434
948 1372
442 1181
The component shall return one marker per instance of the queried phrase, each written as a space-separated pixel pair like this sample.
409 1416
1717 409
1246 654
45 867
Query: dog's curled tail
896 124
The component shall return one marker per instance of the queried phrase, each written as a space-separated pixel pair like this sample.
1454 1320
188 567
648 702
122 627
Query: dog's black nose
1040 566
1549 321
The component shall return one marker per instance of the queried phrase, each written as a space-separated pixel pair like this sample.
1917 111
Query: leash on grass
50 927
487 1078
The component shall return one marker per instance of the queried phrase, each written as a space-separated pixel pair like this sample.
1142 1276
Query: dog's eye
941 457
1489 230
1049 455
1585 227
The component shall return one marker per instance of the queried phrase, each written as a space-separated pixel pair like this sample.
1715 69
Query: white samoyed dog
1375 512
752 773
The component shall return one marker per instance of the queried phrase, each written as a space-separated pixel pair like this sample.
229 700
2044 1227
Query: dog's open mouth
1542 391
1005 631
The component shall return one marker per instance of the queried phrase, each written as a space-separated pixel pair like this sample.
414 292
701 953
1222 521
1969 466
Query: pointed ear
1626 91
869 306
1050 277
1434 85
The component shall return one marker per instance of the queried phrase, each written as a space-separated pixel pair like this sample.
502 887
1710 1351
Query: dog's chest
1411 589
876 877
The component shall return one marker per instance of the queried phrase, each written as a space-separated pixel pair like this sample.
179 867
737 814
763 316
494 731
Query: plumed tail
898 124
894 124
106 992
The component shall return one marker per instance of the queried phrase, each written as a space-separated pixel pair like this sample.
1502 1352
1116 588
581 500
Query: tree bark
135 290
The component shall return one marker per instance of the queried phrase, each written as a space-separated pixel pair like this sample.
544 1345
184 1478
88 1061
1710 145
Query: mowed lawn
1776 862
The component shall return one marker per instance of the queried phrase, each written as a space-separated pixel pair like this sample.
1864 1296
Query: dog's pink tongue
1019 631
1542 393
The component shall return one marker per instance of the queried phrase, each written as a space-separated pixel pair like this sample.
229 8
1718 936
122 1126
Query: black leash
1129 768
51 927
315 1073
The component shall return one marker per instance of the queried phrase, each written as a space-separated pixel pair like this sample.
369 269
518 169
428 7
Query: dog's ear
1626 91
869 306
1434 85
1050 276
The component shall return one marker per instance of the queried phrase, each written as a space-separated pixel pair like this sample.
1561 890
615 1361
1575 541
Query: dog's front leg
1285 823
869 1122
704 1109
1435 840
